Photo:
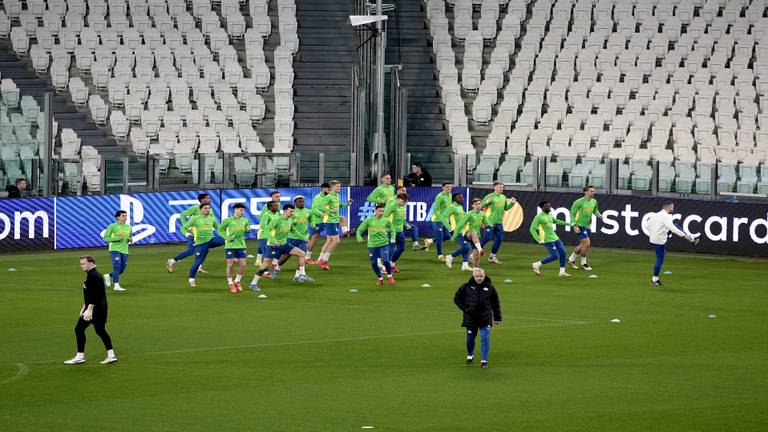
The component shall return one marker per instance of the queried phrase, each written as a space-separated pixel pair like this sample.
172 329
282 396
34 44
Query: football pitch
692 355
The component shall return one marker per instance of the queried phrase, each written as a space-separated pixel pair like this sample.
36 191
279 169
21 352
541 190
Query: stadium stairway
323 80
409 44
65 112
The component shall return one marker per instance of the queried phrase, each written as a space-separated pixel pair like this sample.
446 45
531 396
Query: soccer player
185 216
440 228
272 210
316 219
203 228
395 212
453 214
543 232
330 208
658 227
383 192
497 203
299 233
277 245
118 235
479 301
234 229
94 311
381 233
412 230
581 214
473 220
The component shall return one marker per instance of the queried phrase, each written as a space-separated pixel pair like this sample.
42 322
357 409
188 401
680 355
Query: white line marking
23 371
323 341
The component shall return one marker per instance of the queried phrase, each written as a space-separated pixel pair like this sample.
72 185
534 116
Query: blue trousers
398 247
485 341
374 254
463 250
201 252
556 252
190 249
661 251
496 232
262 247
414 232
119 263
441 234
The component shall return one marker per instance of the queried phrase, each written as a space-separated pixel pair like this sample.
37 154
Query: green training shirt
452 215
265 218
317 204
202 228
188 214
117 235
395 213
382 194
278 230
582 211
442 201
542 227
234 230
377 231
330 208
300 229
497 204
473 221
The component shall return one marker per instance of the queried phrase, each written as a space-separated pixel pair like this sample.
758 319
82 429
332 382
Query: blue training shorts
276 252
236 254
331 229
301 244
584 233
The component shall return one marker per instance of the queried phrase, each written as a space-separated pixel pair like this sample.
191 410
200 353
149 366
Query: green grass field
319 358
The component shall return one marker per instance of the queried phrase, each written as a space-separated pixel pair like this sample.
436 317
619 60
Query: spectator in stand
419 176
15 190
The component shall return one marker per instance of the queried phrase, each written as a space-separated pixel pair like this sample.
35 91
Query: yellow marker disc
513 218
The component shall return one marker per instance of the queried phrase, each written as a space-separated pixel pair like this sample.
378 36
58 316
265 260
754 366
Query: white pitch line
23 371
321 341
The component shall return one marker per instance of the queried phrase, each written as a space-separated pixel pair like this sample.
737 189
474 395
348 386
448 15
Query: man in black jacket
15 190
94 311
479 301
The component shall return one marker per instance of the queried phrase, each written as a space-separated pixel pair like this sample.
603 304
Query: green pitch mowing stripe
318 357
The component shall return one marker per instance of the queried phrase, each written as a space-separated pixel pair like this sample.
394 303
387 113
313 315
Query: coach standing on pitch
94 311
479 301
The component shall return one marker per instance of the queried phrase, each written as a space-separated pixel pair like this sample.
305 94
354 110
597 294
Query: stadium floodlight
358 20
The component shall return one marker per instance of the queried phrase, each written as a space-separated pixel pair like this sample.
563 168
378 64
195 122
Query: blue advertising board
27 224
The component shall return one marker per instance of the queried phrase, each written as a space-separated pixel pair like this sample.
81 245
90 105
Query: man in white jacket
658 227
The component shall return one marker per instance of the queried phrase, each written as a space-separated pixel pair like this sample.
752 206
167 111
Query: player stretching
185 216
440 229
118 235
277 245
395 212
270 210
658 227
316 220
330 207
453 214
497 203
473 220
299 233
412 231
203 227
234 229
380 233
581 214
543 232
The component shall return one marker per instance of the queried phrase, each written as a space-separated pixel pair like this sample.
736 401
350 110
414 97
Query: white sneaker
107 280
75 360
192 282
108 360
118 288
441 258
573 264
494 260
169 265
201 270
536 269
564 274
449 261
465 267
